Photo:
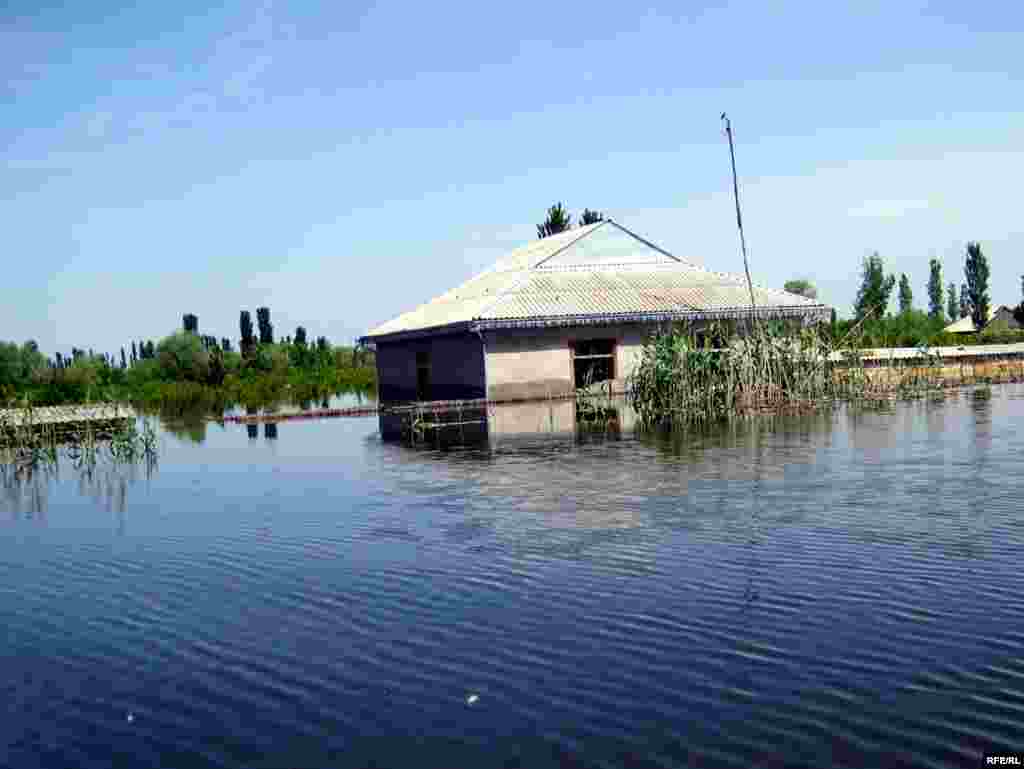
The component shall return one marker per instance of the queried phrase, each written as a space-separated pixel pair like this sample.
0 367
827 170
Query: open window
593 360
423 376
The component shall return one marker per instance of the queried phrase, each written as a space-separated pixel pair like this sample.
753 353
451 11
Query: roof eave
811 314
416 333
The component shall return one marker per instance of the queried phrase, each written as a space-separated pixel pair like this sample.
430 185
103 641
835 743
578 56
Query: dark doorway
423 376
593 360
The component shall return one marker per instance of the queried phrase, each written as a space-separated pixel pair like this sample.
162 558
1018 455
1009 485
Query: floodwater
833 590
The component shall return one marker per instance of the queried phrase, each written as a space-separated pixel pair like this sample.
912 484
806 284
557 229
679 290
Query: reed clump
685 379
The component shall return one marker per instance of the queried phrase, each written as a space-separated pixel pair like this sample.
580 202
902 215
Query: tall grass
680 380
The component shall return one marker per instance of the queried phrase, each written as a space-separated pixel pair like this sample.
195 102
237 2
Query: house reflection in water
568 416
475 424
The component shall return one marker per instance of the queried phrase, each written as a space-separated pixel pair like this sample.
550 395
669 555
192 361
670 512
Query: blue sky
343 162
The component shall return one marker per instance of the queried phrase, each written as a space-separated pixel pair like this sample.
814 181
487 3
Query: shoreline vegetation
186 372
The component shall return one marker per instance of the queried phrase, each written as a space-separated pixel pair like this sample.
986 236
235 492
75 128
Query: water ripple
833 591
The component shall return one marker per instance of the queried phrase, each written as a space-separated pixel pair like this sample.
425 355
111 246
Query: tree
935 309
135 354
300 336
558 221
182 357
976 272
801 287
216 372
245 330
590 217
225 344
906 295
875 288
266 328
190 323
124 359
10 366
150 350
965 307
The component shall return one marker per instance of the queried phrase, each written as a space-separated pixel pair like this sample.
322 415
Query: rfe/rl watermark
1007 759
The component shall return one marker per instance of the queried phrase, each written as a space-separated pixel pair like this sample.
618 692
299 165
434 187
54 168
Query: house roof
966 325
597 273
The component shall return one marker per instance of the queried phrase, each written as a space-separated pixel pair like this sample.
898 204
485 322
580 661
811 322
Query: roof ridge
646 242
620 267
571 243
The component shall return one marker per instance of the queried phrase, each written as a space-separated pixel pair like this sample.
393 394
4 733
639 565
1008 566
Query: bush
232 363
182 358
17 364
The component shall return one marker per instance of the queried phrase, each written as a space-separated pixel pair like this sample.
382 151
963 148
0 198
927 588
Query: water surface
833 590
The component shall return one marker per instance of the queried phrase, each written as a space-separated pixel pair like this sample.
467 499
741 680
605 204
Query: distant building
1001 316
558 312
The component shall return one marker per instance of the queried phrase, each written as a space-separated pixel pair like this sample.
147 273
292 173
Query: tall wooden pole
739 218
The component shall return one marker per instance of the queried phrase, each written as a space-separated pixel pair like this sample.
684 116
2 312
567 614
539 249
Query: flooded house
556 314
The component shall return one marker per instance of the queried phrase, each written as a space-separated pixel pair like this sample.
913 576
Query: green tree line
187 366
876 326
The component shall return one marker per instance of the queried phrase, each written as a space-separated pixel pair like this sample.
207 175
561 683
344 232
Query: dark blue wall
456 368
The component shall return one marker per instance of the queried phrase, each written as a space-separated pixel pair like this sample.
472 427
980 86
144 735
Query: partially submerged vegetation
104 457
27 441
684 378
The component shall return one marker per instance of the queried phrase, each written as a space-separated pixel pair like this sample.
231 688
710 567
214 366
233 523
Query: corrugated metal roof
617 291
593 271
966 325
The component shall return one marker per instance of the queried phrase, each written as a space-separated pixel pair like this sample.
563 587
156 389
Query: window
423 376
593 360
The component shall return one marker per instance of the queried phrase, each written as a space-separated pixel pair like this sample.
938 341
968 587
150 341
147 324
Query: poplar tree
976 272
875 288
265 326
935 308
245 329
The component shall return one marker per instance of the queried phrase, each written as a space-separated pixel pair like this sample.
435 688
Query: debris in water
131 717
472 698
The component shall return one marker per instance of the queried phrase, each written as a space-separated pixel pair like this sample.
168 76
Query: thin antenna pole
739 218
